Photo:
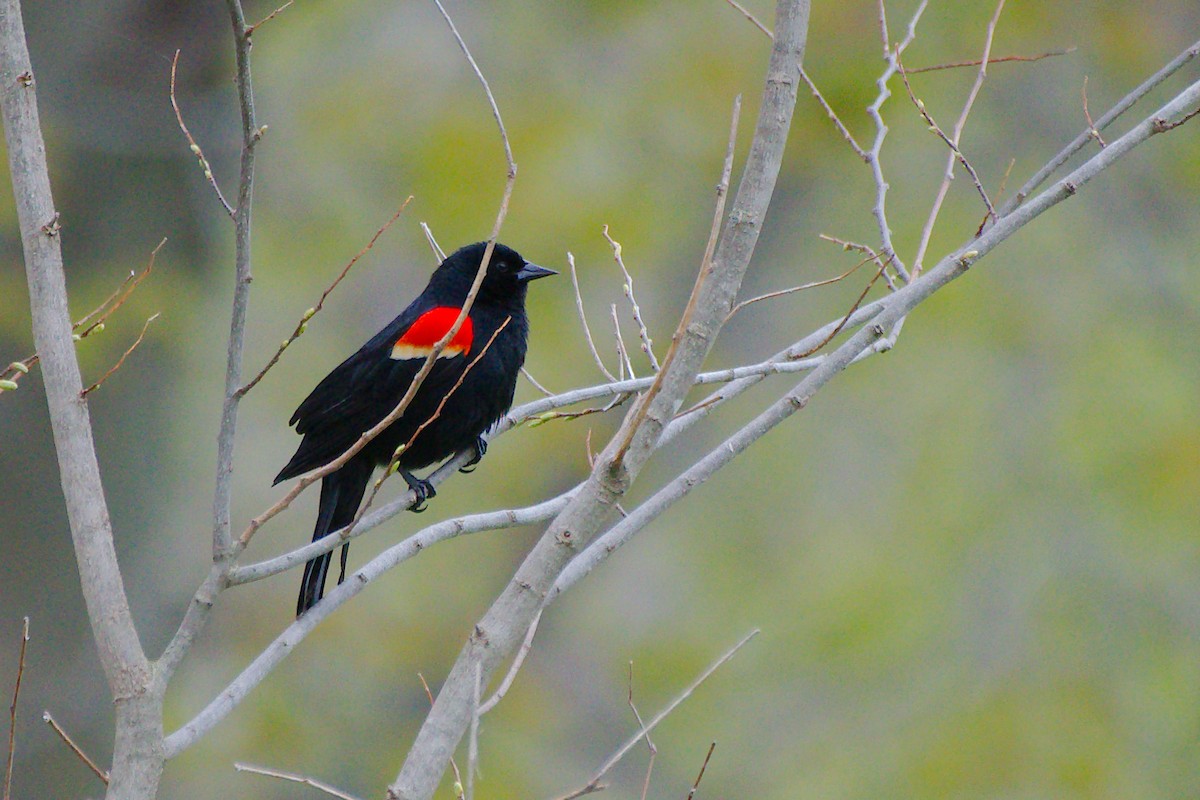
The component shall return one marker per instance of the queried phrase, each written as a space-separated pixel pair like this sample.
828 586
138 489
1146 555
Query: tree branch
501 630
136 758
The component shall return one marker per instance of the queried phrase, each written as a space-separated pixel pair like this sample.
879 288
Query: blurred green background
974 560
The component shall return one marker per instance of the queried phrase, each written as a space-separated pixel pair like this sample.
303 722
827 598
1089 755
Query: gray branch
137 762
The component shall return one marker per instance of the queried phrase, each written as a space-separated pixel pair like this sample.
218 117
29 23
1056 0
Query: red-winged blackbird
364 389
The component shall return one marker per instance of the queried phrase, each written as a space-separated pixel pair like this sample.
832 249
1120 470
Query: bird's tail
341 493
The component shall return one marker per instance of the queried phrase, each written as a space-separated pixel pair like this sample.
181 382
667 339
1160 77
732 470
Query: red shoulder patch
428 330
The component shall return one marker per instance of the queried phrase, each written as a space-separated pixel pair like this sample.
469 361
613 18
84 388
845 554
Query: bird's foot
422 488
480 450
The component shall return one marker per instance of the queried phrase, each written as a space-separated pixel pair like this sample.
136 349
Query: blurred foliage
974 559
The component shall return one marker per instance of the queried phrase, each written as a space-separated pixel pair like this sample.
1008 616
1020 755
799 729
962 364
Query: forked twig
302 325
294 777
649 743
101 774
594 783
953 142
1088 116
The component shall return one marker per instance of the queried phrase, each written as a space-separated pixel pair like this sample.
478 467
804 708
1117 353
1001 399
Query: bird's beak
531 272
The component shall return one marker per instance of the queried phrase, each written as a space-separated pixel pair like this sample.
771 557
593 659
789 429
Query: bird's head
507 276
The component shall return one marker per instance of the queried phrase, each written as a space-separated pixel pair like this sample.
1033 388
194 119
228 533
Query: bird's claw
481 446
422 488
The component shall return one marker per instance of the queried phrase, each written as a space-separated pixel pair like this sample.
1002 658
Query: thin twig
593 783
251 29
302 325
12 711
1162 126
511 675
975 62
587 331
703 767
954 141
829 112
121 360
1088 116
812 87
626 366
706 263
294 777
195 148
627 287
1079 142
649 743
838 328
537 385
752 18
794 289
438 252
956 154
62 734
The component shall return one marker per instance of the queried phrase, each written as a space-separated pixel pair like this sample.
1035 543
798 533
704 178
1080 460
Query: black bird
364 389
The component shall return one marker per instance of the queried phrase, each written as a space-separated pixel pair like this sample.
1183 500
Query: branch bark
137 756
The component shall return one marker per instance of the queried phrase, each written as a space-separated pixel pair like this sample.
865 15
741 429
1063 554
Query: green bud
308 314
7 385
20 367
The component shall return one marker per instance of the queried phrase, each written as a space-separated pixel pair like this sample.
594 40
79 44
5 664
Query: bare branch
302 325
627 287
623 362
120 360
294 777
438 252
890 56
999 60
114 301
12 711
703 767
1079 142
794 289
536 384
954 141
126 668
62 734
587 331
195 148
639 412
505 684
251 29
222 543
644 730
